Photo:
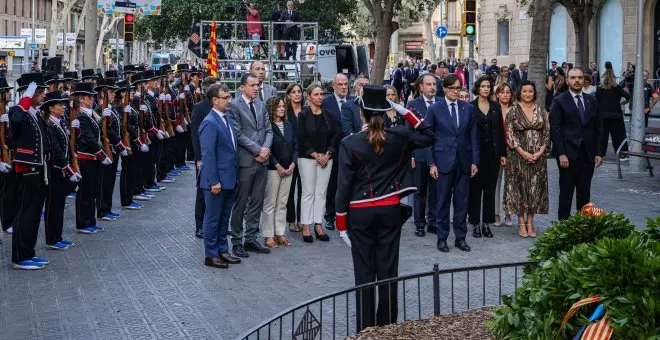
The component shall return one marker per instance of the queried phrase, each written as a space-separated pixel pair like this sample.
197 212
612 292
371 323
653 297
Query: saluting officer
32 149
374 173
90 158
62 174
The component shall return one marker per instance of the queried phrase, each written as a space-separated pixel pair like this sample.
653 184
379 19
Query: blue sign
33 46
441 32
125 4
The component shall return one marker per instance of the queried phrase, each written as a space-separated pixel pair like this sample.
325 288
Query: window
503 37
451 43
72 21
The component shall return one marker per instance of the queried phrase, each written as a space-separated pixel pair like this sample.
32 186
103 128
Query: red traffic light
129 17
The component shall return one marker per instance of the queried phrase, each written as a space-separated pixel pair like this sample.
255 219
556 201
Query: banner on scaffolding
212 59
141 7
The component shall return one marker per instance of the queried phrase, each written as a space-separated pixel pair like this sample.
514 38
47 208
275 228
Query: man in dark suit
291 31
350 112
426 186
453 160
552 69
519 75
199 112
576 128
334 103
218 176
411 75
255 137
397 79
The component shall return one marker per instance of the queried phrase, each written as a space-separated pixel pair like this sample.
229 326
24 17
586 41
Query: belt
86 157
391 200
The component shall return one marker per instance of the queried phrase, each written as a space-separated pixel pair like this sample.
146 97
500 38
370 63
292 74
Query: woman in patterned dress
528 135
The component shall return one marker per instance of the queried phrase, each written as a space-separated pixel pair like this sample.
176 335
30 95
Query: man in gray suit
266 91
254 136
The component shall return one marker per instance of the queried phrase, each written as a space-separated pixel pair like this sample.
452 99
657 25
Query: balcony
454 27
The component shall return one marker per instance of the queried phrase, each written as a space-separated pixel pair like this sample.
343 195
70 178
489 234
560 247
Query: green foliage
652 228
623 272
578 229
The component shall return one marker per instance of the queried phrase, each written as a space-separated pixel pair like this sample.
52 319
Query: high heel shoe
531 232
282 240
507 220
522 231
307 238
476 231
497 221
322 237
270 242
485 230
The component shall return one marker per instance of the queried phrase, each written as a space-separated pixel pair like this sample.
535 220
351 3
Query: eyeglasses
453 88
224 97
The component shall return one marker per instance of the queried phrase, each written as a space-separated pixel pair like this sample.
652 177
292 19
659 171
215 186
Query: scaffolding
232 39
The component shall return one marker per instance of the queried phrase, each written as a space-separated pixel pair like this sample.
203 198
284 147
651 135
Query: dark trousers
150 161
59 186
426 193
408 90
190 152
140 160
200 205
482 188
453 189
127 178
375 233
576 178
216 221
8 199
180 150
162 160
616 128
86 197
332 191
31 197
107 187
293 203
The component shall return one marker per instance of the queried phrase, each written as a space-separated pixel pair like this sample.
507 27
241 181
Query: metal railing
437 292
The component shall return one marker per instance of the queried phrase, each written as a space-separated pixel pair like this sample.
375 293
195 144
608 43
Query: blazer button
364 194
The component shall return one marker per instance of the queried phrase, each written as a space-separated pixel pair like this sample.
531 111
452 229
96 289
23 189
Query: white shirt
339 99
449 108
581 94
426 101
247 100
222 117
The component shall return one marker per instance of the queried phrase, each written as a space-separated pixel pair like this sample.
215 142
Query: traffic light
469 18
129 27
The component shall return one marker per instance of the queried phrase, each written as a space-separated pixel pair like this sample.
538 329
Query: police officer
7 174
32 149
129 163
374 173
155 135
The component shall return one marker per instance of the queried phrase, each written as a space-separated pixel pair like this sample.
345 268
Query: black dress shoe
322 237
460 244
230 259
476 231
485 230
199 233
239 251
442 246
215 262
256 247
431 229
420 232
330 225
308 239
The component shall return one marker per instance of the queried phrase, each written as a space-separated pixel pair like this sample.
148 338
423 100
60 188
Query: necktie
580 107
229 128
429 102
261 94
254 113
453 115
341 103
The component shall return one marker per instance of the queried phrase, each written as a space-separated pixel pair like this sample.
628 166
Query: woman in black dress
294 105
374 174
491 147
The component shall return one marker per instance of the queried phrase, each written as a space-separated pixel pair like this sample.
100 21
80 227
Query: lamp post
637 128
34 41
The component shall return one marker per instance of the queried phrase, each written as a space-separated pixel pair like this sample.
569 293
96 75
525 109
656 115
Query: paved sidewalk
144 278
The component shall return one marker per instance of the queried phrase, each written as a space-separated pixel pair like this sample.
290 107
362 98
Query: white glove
400 109
127 109
185 121
161 97
344 236
75 124
144 108
182 95
179 129
75 178
107 112
144 148
67 93
124 152
4 167
168 97
167 135
198 91
32 88
187 88
160 135
106 161
4 118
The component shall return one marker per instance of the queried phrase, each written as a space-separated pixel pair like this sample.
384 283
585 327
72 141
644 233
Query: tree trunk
106 26
54 27
581 26
429 34
383 36
538 51
90 33
74 49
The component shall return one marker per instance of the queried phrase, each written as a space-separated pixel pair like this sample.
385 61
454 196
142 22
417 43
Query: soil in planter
462 326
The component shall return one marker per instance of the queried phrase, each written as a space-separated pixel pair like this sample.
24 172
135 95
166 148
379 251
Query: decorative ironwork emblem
308 328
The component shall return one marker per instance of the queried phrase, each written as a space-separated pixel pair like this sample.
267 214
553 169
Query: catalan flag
600 330
212 59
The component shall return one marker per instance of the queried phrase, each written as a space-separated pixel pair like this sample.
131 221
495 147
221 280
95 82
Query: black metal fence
420 296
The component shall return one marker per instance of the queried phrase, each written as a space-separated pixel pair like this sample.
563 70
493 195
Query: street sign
441 32
33 46
125 7
11 43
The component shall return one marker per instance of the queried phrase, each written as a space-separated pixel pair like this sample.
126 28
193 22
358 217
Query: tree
79 25
428 30
581 13
61 10
541 13
107 24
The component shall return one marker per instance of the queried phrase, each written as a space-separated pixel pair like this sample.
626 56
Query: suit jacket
330 104
269 91
251 135
290 31
199 112
453 147
517 79
397 78
568 131
350 118
219 156
285 147
418 105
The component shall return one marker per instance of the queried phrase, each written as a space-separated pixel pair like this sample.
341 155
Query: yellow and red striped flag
212 59
598 331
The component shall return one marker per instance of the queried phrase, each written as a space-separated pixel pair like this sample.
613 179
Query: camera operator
253 17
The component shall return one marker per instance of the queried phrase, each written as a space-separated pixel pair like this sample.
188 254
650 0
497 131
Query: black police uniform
130 164
59 185
155 144
109 173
